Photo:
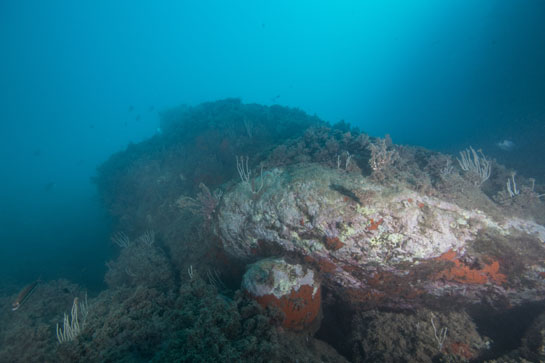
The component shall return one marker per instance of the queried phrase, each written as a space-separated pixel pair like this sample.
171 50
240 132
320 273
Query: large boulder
383 244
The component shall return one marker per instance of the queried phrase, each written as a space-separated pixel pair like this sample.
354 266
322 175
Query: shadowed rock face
387 245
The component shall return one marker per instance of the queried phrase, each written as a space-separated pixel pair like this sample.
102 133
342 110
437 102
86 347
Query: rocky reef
255 233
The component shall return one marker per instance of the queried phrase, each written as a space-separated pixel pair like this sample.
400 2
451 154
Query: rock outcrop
384 244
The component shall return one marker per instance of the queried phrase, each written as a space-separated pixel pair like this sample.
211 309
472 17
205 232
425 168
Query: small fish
506 145
131 107
137 118
24 295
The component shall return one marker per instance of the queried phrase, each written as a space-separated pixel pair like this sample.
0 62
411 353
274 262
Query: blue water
81 80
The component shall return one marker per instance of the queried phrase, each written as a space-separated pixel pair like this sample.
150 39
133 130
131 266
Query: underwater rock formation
399 237
384 244
289 287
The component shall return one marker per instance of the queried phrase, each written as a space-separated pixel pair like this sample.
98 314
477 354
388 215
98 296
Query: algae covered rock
380 243
292 288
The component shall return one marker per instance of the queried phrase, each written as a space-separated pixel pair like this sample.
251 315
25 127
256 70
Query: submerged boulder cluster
255 233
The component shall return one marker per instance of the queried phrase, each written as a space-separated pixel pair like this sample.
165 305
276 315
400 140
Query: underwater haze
82 81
